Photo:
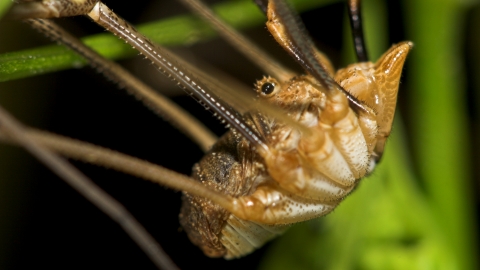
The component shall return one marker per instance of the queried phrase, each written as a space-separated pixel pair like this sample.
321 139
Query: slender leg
50 9
14 132
241 43
355 15
284 25
166 62
105 17
161 105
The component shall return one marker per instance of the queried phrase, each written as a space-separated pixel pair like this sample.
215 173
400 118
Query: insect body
298 176
301 177
267 174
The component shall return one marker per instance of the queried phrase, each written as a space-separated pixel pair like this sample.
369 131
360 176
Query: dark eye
267 88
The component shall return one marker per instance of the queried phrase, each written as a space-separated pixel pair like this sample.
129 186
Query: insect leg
161 105
105 17
272 205
16 133
50 9
172 67
100 156
355 15
174 70
256 207
286 28
241 43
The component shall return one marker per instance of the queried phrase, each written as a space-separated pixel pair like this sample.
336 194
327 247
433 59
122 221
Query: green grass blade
440 130
181 30
4 5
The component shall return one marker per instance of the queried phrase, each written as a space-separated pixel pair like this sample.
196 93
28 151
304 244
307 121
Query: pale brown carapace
302 176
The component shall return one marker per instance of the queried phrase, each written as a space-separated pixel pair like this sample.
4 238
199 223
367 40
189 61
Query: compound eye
268 88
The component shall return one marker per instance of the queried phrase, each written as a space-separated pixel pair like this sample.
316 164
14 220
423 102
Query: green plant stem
4 5
440 127
175 31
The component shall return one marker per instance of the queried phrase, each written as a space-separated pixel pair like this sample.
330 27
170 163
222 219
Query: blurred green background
419 209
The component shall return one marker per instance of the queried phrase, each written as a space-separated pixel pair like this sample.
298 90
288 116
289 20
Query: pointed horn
388 71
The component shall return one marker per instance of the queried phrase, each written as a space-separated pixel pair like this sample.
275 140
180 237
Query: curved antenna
355 16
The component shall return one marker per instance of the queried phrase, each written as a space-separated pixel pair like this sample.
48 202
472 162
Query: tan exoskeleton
271 169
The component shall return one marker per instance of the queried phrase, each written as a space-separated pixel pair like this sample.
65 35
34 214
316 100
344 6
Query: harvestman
292 170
